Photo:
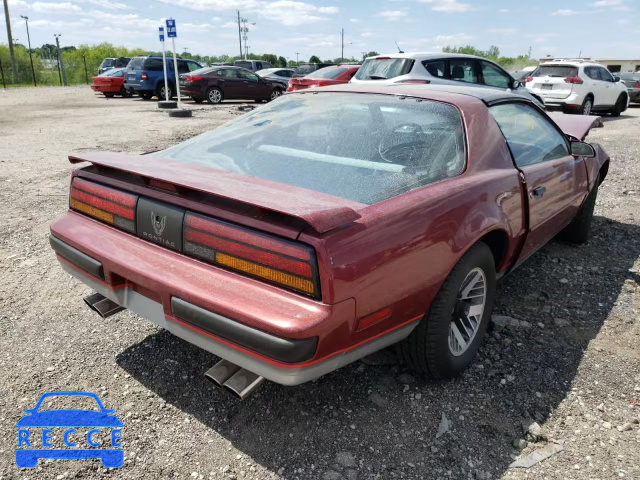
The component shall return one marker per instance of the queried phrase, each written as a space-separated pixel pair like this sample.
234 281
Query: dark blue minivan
145 75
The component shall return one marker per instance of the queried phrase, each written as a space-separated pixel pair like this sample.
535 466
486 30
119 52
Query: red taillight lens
528 79
260 255
144 76
575 79
423 82
194 78
637 85
104 203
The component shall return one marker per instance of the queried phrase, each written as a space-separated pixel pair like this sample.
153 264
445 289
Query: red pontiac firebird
111 83
332 223
333 75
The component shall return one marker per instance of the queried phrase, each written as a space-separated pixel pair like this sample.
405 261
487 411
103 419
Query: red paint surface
302 83
393 254
107 84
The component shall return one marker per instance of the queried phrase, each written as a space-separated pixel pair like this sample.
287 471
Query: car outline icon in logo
70 419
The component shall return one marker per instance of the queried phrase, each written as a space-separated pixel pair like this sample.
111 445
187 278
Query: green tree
282 62
314 59
372 53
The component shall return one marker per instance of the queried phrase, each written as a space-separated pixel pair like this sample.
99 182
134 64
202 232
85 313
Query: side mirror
582 149
616 78
516 84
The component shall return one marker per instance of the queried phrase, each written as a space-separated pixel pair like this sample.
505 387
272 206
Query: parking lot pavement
568 358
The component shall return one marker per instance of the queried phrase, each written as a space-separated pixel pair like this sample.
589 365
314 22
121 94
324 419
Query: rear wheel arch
498 242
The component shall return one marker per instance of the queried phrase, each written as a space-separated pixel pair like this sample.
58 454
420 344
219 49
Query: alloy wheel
215 96
586 110
275 94
467 312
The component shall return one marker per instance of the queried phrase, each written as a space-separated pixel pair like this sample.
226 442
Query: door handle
538 192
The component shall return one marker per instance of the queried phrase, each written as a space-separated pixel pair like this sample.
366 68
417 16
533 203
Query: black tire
427 348
214 95
180 113
109 94
160 91
146 95
620 106
587 105
125 93
275 93
579 229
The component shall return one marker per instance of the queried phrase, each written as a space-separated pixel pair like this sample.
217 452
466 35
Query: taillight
528 79
266 257
195 78
144 76
575 79
637 85
423 82
104 203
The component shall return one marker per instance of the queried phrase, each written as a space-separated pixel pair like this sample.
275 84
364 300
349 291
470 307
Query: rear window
328 72
383 68
135 64
306 69
122 62
153 64
203 71
107 62
243 65
555 71
112 72
308 141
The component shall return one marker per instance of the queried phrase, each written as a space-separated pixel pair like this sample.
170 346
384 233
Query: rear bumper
282 336
571 100
106 88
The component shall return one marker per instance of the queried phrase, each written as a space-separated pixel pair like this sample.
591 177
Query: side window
193 66
531 137
435 68
591 73
463 70
494 76
183 67
605 75
252 77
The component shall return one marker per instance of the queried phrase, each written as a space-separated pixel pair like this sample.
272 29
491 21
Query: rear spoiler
320 211
576 126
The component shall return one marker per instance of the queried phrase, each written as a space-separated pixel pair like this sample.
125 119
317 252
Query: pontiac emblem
158 223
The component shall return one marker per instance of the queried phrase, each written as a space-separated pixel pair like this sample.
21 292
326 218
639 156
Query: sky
594 28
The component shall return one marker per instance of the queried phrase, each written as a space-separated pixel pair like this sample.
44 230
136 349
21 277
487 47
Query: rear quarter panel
401 250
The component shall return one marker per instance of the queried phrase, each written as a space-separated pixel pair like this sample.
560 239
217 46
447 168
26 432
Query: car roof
488 96
571 63
426 55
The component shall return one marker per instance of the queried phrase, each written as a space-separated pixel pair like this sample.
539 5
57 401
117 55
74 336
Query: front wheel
275 94
109 94
448 337
620 106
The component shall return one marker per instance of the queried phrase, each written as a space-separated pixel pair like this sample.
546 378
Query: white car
578 85
438 69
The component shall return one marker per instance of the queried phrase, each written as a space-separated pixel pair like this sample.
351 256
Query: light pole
297 62
14 66
63 77
33 71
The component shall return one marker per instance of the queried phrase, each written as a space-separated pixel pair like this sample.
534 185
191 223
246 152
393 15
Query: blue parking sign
161 33
171 29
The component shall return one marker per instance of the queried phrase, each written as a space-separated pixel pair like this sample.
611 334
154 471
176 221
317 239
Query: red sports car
332 223
334 75
111 83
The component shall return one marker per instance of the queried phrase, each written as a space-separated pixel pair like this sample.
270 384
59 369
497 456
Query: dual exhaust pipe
238 381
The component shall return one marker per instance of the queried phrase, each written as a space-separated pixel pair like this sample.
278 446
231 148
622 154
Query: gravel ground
559 371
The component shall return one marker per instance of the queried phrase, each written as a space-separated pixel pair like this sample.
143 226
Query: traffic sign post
164 64
172 34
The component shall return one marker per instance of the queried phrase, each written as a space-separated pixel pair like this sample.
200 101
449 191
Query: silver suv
438 69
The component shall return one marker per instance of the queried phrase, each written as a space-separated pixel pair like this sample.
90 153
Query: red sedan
334 75
111 83
327 225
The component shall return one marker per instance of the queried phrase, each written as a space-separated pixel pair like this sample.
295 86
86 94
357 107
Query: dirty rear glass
384 68
555 71
361 147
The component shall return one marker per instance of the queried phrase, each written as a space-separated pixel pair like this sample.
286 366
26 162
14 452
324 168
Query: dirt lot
568 359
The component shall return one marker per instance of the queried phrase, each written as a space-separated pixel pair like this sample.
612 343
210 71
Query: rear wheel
108 94
579 229
125 93
587 106
160 93
620 106
448 337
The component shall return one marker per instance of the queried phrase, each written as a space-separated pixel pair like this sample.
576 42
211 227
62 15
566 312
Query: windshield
555 71
383 68
362 147
328 72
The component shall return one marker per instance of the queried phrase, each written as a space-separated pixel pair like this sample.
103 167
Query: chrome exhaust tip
243 383
221 372
102 305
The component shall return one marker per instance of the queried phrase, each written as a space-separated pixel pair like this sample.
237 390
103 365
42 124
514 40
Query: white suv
578 85
437 69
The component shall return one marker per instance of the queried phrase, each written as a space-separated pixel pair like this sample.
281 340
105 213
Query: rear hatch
631 80
553 81
133 74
